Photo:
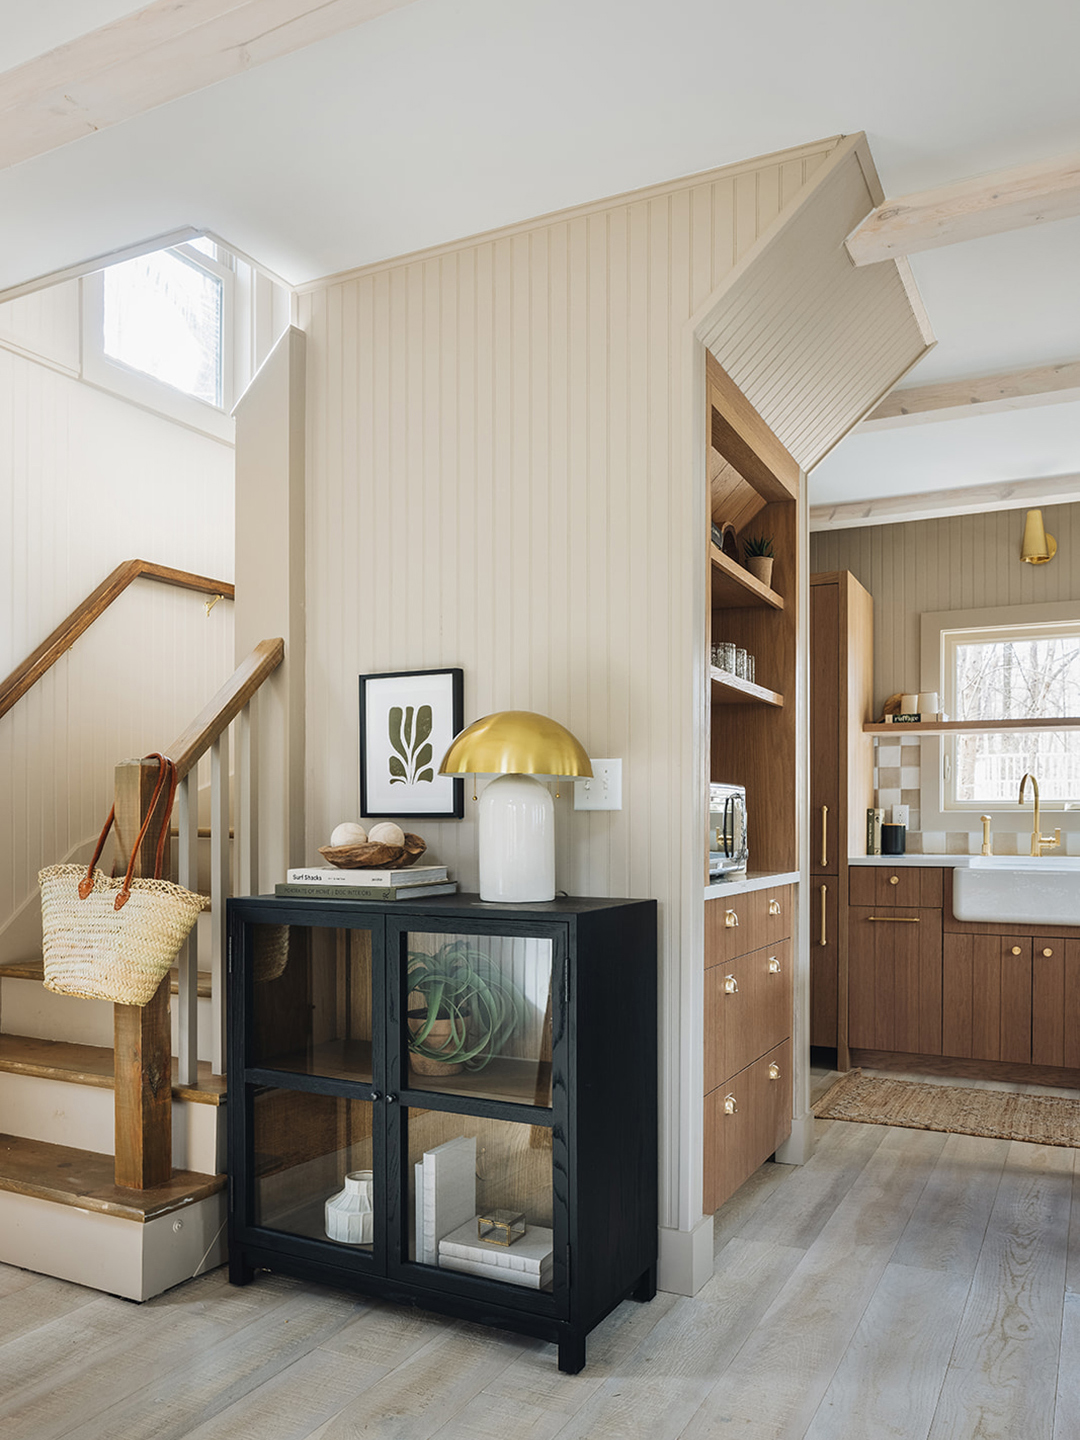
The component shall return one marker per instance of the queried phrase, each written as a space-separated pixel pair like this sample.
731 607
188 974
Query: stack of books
327 882
527 1262
445 1194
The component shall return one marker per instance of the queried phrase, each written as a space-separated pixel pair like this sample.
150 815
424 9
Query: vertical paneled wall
497 479
87 481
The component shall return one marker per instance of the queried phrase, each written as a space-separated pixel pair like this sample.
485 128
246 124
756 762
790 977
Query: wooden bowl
374 857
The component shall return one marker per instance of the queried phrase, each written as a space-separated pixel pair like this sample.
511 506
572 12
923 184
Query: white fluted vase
350 1216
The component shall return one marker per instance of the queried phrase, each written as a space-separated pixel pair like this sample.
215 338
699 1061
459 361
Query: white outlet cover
604 790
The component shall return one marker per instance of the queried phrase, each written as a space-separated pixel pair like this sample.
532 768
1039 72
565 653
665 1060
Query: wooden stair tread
92 1065
83 1178
35 970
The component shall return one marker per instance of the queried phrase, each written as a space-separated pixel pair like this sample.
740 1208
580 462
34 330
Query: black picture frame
394 771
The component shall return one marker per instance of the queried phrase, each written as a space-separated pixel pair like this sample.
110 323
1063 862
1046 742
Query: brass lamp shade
515 742
1037 548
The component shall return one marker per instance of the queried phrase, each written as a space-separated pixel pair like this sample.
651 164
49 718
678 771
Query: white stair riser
62 1113
105 1252
27 1008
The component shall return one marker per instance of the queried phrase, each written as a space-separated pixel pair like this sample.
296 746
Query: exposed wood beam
935 504
951 399
159 53
968 210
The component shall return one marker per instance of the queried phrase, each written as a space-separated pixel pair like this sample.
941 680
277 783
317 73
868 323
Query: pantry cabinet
548 1123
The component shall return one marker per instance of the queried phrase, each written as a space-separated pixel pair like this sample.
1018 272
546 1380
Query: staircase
108 1177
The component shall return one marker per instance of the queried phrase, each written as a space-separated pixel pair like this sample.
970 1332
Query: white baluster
187 1013
219 891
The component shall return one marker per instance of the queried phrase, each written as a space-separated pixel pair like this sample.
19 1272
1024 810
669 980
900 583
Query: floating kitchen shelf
728 689
973 727
734 588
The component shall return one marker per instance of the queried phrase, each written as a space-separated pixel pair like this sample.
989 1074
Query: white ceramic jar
350 1218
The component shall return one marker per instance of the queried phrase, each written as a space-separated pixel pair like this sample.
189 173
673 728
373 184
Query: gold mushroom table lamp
517 814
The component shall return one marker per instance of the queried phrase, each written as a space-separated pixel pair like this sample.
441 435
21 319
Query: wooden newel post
142 1039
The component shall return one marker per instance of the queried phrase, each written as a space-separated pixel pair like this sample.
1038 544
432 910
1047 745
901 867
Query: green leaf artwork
410 741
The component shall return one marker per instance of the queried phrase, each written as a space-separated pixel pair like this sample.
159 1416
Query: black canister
893 839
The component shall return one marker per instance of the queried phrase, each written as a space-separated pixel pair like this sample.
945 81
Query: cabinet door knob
731 985
730 1106
894 879
774 1070
774 907
1048 953
731 919
375 1095
1016 950
774 965
390 1099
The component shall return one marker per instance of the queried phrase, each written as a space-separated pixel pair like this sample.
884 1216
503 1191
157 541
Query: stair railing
143 1065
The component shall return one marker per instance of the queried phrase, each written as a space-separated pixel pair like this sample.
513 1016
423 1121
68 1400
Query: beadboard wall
86 481
960 562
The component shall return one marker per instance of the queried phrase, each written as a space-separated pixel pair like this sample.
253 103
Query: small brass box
500 1227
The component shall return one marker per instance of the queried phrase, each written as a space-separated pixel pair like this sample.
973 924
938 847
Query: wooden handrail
24 676
218 713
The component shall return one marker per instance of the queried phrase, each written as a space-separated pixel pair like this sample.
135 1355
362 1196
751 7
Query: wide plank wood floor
902 1285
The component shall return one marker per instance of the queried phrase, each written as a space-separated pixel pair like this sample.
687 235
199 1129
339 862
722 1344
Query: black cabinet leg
645 1289
572 1353
240 1272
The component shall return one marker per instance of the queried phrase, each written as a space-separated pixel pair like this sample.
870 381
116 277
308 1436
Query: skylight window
163 316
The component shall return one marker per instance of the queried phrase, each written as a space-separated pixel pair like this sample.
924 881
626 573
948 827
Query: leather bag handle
166 775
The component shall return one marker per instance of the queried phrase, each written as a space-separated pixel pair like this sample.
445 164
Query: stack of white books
445 1193
527 1262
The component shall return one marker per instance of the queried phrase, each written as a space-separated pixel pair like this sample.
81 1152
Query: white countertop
752 880
938 861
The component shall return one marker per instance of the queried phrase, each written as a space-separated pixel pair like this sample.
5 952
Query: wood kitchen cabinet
825 910
894 984
987 997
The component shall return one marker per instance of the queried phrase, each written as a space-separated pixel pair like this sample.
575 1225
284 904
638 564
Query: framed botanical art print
407 720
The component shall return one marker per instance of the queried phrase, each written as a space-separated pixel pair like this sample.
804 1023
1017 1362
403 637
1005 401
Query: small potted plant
759 558
461 1009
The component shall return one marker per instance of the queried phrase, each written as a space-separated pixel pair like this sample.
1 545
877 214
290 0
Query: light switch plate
604 790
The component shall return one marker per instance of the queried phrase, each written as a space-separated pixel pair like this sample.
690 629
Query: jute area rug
998 1114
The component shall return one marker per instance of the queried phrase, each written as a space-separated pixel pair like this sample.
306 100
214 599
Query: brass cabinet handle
774 907
731 985
774 965
897 919
730 1107
1016 950
894 879
774 1070
1048 953
731 919
824 938
824 837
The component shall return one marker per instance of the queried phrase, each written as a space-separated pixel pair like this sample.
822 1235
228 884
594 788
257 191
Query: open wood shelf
973 727
734 588
728 689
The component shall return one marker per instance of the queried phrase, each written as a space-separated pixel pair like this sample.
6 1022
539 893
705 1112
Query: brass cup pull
1048 953
1016 950
774 907
731 919
774 1070
894 879
731 985
774 965
730 1106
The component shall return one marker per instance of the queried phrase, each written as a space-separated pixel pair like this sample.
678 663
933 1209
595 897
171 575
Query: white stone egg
349 833
386 834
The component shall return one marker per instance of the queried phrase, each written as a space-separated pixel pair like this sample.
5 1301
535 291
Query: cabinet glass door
477 1020
480 1198
314 1166
311 1000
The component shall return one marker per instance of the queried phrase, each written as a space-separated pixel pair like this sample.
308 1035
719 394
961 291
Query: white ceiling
448 117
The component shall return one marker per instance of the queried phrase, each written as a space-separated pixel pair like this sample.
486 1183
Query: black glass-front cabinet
448 1103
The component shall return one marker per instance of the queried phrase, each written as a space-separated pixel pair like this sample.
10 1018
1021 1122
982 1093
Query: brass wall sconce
1037 548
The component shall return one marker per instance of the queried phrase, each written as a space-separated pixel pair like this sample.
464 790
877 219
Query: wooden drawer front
886 885
894 979
747 1010
987 997
1055 1003
737 924
746 1118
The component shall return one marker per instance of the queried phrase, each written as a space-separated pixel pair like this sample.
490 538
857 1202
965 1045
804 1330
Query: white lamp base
517 840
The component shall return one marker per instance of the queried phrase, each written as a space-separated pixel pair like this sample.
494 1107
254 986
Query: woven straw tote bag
113 939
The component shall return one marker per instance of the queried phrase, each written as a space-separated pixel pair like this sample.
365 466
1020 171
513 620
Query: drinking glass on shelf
751 668
740 663
727 656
